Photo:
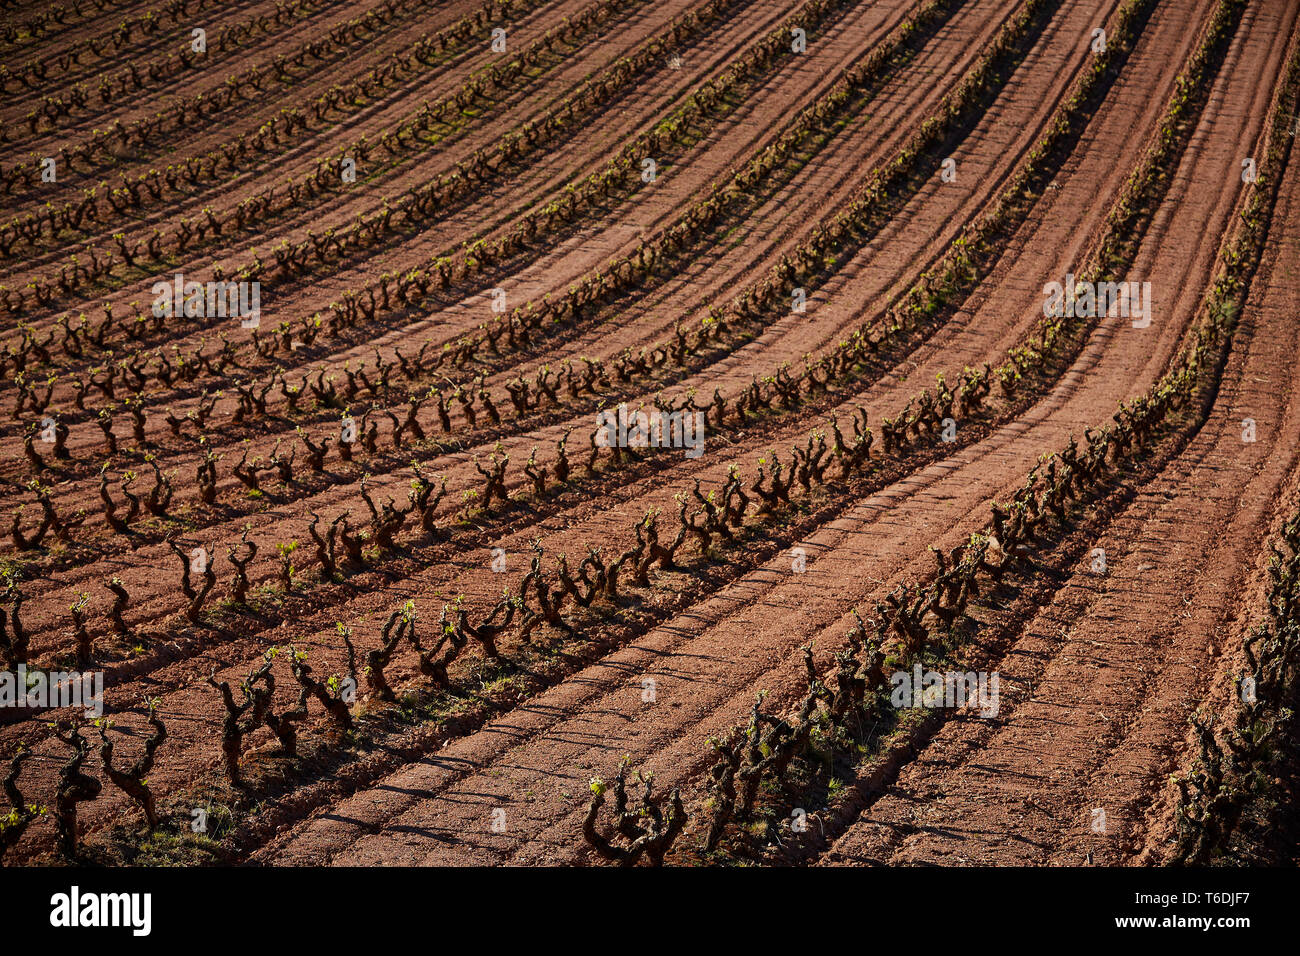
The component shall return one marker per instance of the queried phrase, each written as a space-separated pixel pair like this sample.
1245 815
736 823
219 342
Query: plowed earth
1099 672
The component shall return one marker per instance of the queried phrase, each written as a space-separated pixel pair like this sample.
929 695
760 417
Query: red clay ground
1099 674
